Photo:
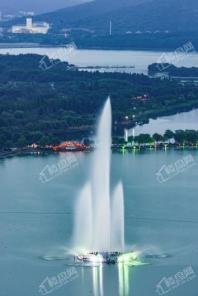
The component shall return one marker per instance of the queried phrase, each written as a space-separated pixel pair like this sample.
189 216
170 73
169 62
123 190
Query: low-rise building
142 98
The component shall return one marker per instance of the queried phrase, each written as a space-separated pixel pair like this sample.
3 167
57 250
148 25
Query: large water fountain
99 217
99 225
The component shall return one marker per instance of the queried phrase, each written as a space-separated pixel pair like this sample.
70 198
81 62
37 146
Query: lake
82 58
180 121
36 222
36 219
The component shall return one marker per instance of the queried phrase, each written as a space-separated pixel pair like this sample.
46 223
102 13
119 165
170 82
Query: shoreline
29 45
38 45
115 149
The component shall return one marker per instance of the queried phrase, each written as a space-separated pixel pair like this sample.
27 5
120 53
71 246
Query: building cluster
31 28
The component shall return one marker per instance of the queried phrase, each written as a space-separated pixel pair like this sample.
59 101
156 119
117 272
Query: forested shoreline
53 104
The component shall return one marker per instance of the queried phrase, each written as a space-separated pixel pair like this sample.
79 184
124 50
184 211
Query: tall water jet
117 219
101 183
99 224
83 220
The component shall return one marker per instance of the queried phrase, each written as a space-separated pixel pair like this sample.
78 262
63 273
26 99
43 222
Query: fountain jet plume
99 222
117 219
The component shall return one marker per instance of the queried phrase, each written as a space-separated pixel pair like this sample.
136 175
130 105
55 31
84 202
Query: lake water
180 121
36 219
82 58
36 222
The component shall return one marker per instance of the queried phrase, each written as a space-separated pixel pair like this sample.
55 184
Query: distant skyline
38 6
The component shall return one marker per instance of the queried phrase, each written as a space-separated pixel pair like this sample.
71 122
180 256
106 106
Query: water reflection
123 279
122 272
98 280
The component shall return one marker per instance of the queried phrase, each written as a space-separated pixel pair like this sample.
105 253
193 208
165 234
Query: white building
31 28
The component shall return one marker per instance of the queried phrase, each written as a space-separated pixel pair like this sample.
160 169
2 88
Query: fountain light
127 257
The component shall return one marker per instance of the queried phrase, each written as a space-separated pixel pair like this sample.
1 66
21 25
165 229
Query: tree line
182 137
48 106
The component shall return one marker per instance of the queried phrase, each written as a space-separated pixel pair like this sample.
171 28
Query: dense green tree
44 140
157 137
143 139
59 104
191 136
131 139
180 136
18 114
21 142
168 135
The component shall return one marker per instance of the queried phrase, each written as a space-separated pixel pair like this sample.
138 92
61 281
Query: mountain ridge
152 15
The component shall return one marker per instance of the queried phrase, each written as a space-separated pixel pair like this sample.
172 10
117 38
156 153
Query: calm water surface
36 222
180 121
82 58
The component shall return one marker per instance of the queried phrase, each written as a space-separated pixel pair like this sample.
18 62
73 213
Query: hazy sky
13 6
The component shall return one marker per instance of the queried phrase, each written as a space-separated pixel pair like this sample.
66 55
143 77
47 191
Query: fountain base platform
106 257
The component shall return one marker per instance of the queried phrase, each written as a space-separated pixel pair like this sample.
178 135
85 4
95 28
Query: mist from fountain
83 219
99 221
117 219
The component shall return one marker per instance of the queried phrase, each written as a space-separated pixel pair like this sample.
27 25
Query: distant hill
14 6
89 15
128 15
